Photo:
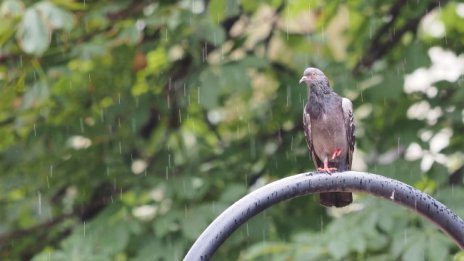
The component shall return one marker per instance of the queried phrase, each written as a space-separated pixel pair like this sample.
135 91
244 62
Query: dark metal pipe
307 183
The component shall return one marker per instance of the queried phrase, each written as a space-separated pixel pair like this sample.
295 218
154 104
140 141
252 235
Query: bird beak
302 79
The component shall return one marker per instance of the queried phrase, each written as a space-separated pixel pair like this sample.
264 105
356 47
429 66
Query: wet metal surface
308 183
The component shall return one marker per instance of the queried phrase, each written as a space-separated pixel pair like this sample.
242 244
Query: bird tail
336 199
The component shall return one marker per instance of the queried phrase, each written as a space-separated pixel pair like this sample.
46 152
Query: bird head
315 79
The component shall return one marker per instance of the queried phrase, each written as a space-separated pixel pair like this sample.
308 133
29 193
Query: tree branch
101 198
383 43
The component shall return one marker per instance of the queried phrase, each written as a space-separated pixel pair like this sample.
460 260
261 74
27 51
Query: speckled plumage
329 131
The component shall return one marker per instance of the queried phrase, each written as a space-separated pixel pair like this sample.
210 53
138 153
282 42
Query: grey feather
328 127
347 107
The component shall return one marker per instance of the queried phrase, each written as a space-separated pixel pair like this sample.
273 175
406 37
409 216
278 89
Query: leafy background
127 126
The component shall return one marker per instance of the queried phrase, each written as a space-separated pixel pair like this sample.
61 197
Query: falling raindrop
291 144
51 170
81 122
288 96
323 33
119 98
205 52
398 147
286 27
167 173
120 147
35 131
102 118
84 229
39 199
322 225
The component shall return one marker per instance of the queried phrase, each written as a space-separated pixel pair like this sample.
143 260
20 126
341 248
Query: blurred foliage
127 126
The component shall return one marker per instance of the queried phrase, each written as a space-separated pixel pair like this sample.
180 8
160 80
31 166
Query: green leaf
195 222
112 238
232 193
37 94
266 249
69 4
129 35
415 247
11 8
210 32
217 10
209 89
338 247
438 246
222 9
56 17
459 256
156 60
33 34
7 29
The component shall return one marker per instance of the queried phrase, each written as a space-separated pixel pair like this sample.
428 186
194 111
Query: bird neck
316 95
315 105
320 87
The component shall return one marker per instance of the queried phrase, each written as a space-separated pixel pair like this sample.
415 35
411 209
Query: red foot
327 169
337 152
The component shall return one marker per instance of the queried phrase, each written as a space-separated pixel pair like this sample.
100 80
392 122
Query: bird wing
347 108
307 132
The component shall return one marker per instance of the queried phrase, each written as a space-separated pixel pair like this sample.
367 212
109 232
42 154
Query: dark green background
206 94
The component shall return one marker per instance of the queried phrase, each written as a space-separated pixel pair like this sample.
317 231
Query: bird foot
327 169
337 152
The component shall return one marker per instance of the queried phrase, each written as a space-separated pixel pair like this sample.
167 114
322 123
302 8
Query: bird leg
326 167
337 152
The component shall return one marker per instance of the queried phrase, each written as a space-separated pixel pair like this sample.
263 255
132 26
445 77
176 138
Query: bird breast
329 134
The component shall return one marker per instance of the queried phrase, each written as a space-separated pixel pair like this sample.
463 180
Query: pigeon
329 131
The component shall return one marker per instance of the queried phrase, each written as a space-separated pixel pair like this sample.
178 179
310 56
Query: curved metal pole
306 183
